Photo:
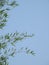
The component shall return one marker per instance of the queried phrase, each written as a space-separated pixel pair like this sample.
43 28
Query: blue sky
31 16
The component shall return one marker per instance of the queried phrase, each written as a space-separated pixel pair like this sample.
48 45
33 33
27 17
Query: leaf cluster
8 41
5 6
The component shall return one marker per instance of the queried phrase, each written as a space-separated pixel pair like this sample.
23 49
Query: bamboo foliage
8 41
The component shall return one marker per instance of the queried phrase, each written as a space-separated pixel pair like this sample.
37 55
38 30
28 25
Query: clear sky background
31 16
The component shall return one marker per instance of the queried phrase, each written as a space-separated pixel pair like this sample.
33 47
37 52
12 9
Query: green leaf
5 14
2 25
7 36
1 11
